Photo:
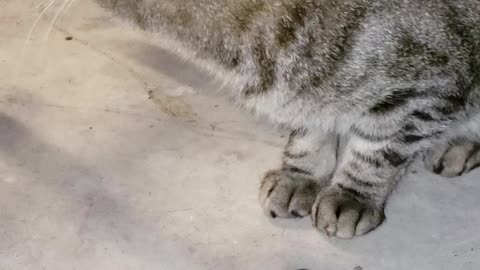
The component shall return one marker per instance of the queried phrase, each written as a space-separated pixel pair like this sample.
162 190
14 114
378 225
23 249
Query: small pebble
69 38
357 268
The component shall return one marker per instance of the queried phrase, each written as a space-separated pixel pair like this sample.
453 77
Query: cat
393 79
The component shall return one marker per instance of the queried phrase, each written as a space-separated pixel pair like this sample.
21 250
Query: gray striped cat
392 78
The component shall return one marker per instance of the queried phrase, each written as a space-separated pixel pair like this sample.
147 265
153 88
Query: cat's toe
338 214
284 197
451 165
456 160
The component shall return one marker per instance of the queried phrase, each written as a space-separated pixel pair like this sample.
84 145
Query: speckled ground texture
115 154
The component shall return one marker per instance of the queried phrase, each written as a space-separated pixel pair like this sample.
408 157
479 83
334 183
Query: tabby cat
394 79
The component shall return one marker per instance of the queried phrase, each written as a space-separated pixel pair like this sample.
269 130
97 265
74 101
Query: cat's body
395 76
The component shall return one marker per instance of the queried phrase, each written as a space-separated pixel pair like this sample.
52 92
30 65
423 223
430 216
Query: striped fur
397 78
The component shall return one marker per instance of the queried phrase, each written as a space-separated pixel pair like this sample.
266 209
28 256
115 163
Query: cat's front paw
285 196
338 213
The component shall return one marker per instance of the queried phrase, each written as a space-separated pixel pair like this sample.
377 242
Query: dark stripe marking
287 154
265 63
356 194
293 169
289 23
290 197
457 100
453 104
395 159
361 182
301 132
314 215
412 138
271 190
397 98
410 127
367 159
422 116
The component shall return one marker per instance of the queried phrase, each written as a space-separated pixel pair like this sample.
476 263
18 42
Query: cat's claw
284 197
338 214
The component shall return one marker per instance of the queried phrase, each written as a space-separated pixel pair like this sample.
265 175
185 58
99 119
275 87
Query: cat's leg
372 164
383 142
453 159
309 160
353 204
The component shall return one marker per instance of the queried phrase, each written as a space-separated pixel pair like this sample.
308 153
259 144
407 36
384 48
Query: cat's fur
397 77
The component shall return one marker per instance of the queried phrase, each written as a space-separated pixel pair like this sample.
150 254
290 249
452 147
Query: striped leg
309 161
371 166
384 139
353 203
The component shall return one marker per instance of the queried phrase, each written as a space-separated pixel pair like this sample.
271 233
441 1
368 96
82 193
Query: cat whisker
43 4
69 6
48 4
37 20
50 28
52 24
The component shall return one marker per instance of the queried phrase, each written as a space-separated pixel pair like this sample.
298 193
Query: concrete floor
115 155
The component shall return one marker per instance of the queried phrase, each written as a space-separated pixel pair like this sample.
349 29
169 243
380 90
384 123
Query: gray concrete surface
117 155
